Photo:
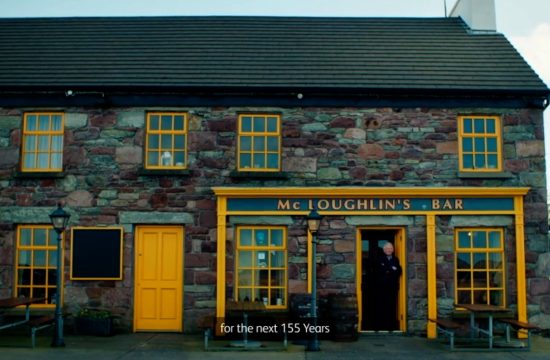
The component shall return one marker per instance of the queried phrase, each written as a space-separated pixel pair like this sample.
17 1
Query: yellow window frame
487 250
171 162
271 289
497 135
254 134
30 144
49 247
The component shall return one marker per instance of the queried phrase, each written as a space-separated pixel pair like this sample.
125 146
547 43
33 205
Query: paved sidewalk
183 347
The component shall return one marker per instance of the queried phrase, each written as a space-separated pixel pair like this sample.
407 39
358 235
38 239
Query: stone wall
102 184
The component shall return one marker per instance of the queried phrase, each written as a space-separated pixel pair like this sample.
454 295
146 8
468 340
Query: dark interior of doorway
372 242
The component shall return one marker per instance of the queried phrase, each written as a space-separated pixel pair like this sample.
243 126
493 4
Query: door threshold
381 333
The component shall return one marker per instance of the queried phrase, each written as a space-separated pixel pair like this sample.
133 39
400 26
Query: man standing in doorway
387 274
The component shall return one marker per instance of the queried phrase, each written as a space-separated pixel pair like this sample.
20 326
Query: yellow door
158 278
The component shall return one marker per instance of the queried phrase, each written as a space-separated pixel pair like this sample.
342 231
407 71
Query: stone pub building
189 150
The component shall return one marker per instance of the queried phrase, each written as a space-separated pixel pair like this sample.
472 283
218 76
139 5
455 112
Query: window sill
484 175
39 175
177 172
259 175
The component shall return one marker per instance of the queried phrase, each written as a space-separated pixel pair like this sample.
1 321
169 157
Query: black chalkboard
96 253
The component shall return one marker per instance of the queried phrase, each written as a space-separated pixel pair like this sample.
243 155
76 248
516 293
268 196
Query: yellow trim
171 132
431 275
400 245
221 251
71 277
334 192
36 133
31 248
473 135
520 264
472 269
258 134
268 247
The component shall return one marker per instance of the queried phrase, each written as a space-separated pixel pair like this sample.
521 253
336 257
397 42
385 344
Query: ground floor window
261 265
479 266
36 265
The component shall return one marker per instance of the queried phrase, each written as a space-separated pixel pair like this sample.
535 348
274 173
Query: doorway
372 301
158 278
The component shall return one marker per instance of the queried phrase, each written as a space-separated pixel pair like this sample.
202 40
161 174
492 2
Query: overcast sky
526 23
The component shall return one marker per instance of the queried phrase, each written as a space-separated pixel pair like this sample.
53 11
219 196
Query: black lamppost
313 223
59 219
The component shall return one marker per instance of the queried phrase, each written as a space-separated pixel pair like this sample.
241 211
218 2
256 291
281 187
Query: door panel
159 279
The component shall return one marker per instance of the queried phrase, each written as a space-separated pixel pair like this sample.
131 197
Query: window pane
272 161
480 161
463 261
25 237
272 143
492 161
24 292
261 257
480 279
272 124
244 295
246 143
52 258
24 277
468 161
38 292
40 237
39 258
259 161
480 296
480 144
166 122
31 123
153 142
52 277
179 140
259 124
480 239
43 161
245 237
277 278
491 144
166 141
479 126
39 277
494 239
43 122
56 122
52 237
261 237
154 122
464 297
30 142
245 161
179 158
179 123
57 143
167 158
25 257
152 158
468 126
56 161
29 161
496 297
245 259
467 144
464 279
495 279
464 240
491 127
277 258
245 277
43 143
246 124
277 297
276 237
495 260
480 261
259 143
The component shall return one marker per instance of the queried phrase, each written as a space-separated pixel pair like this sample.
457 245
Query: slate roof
352 54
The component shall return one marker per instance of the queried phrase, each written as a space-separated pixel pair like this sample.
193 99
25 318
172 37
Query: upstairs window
36 266
479 266
166 141
259 143
42 142
480 141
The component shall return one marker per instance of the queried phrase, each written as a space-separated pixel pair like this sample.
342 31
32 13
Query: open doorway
381 308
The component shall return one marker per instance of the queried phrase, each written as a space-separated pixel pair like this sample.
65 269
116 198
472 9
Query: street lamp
313 224
59 219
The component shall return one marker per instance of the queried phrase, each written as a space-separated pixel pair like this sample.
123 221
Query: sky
526 23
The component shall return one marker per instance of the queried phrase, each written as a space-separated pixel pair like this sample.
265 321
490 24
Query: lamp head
313 221
59 219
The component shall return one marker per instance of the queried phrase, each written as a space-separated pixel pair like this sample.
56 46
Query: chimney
479 15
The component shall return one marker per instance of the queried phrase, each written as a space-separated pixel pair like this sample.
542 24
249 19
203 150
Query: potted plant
93 322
